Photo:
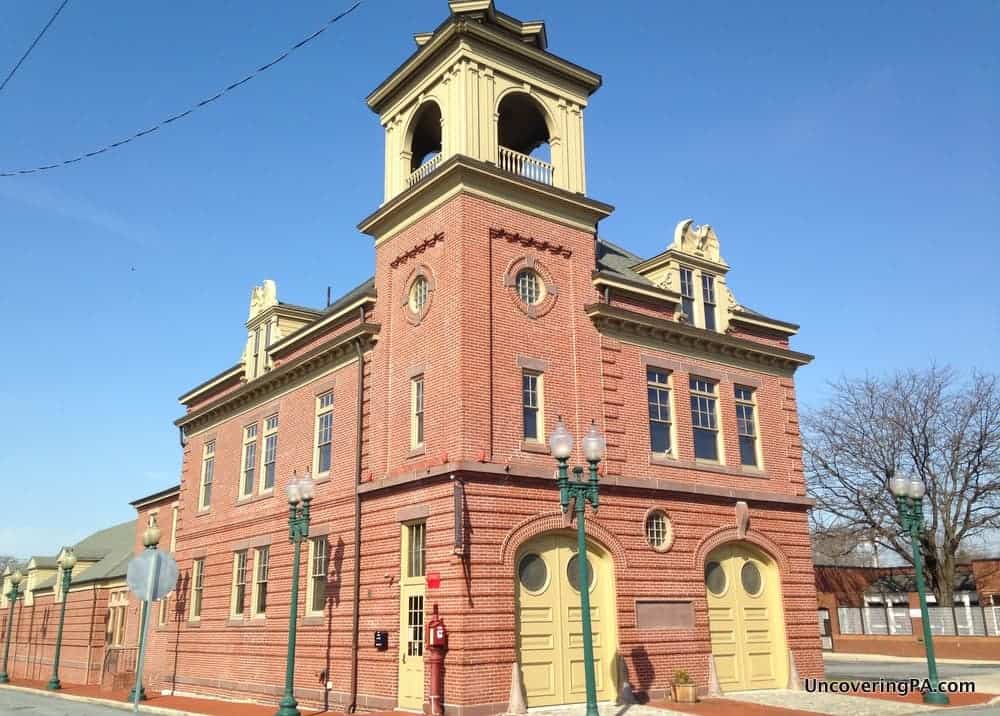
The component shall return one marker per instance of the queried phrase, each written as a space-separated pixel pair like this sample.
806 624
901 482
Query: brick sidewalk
182 704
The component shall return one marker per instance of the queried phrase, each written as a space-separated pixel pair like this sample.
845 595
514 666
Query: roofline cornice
601 278
612 318
772 324
214 382
268 383
680 257
172 491
304 333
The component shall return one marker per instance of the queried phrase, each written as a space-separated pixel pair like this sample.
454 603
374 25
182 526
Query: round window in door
715 578
533 573
751 579
573 572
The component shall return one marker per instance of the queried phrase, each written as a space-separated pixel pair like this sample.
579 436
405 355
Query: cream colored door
411 618
550 637
743 611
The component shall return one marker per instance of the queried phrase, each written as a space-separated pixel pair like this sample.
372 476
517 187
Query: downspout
356 607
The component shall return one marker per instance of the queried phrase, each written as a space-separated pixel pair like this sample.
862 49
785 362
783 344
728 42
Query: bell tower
483 85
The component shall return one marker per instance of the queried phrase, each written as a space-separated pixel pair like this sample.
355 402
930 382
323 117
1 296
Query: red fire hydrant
437 644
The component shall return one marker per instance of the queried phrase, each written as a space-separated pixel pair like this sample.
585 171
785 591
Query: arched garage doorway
745 618
549 635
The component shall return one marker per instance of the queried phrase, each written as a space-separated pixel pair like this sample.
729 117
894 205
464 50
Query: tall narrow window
324 432
417 411
261 566
531 405
240 583
320 555
746 425
687 293
207 475
660 422
415 558
704 419
164 611
270 453
197 587
708 299
249 467
256 352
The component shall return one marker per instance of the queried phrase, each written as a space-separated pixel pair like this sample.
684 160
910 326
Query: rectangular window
708 299
415 558
531 404
746 425
417 411
256 352
270 453
687 293
164 610
260 582
320 554
239 583
207 475
704 419
324 432
197 586
249 467
660 422
173 530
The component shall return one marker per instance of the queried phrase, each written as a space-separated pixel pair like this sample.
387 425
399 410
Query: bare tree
6 559
925 424
842 546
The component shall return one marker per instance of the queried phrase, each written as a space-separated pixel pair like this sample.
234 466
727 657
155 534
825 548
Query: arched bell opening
424 139
524 138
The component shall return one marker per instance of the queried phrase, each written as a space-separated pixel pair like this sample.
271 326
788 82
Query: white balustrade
424 169
525 166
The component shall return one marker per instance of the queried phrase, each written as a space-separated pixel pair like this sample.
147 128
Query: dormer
693 271
269 321
483 85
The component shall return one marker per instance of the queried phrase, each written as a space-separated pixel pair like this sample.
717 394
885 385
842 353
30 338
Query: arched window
425 135
523 135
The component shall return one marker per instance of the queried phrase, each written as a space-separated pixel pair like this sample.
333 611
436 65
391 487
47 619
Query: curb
121 705
858 656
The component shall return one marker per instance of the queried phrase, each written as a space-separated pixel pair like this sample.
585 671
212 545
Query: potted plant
685 692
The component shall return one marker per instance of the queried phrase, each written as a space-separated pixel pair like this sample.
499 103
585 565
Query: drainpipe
356 607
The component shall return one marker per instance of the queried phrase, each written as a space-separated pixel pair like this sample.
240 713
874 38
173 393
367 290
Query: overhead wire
180 115
31 47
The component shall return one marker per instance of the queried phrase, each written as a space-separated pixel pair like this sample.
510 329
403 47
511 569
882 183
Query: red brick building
421 402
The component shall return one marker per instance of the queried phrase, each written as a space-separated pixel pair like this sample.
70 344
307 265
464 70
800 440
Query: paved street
880 668
19 702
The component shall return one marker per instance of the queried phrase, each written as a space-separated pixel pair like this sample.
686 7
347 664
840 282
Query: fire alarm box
381 640
437 635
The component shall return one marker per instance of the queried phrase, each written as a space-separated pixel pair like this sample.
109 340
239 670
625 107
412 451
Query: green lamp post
67 560
300 494
909 496
150 540
593 445
15 580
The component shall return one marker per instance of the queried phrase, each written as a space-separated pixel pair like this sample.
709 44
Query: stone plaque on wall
664 614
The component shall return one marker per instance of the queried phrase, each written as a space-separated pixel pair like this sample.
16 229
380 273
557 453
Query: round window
573 572
418 294
530 287
715 578
659 533
532 572
750 576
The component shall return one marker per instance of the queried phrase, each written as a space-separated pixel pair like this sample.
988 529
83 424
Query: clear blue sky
846 153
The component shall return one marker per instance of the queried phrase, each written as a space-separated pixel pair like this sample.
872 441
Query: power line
32 45
180 115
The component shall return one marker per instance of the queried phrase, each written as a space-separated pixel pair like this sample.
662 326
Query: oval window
573 572
530 288
658 531
750 576
418 294
532 572
715 578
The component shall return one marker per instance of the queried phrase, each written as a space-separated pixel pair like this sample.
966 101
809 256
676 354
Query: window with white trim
708 299
239 597
207 475
704 418
320 553
660 420
248 470
323 458
687 293
197 587
746 424
261 567
417 412
269 467
533 420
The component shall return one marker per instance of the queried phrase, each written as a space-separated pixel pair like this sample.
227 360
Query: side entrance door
412 585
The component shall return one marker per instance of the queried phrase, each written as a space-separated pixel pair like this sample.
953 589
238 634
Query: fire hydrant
437 644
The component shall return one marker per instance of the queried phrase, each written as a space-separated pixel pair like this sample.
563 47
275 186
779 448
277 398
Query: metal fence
893 620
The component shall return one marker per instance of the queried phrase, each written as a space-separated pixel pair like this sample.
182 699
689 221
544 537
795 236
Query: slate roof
110 549
615 260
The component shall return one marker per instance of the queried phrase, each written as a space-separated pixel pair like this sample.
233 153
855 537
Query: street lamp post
150 540
67 560
15 580
561 446
909 496
300 494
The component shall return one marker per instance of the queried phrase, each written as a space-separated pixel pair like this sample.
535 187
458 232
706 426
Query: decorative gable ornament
700 241
262 297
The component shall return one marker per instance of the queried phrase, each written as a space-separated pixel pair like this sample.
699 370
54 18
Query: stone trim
535 310
670 523
412 512
534 364
414 370
531 242
416 249
415 318
320 530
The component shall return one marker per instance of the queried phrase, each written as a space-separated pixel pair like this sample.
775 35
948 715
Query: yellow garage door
744 612
550 638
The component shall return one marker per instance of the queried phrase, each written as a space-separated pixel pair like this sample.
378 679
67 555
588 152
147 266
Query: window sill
535 447
710 466
662 459
313 619
752 471
203 512
418 451
322 476
236 621
194 623
250 499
